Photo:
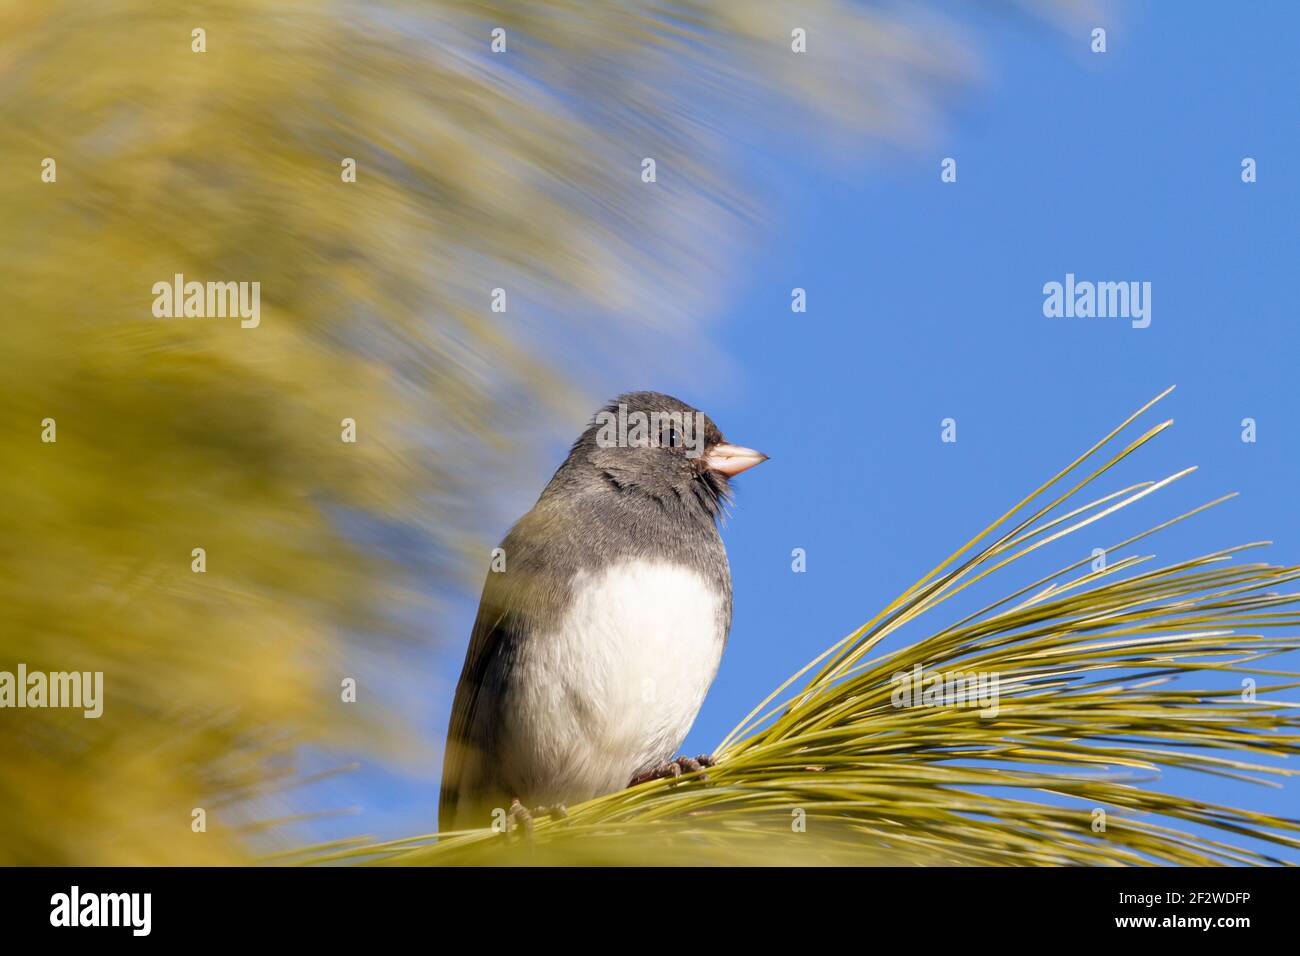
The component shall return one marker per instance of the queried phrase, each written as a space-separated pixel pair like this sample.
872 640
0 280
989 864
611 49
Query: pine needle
1094 699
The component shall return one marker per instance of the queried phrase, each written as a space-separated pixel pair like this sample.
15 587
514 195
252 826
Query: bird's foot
675 768
520 818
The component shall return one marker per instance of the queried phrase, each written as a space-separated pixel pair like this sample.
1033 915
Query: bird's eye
674 439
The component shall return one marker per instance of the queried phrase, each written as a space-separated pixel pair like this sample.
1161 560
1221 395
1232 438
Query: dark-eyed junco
602 622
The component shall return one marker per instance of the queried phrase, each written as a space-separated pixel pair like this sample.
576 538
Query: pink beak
732 459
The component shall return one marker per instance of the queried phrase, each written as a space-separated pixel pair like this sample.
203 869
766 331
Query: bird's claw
675 768
519 817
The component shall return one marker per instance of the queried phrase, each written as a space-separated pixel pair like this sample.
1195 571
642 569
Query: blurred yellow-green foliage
473 173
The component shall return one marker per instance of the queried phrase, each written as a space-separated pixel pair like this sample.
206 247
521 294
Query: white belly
618 685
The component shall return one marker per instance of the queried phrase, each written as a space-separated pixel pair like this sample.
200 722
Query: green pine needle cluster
1098 671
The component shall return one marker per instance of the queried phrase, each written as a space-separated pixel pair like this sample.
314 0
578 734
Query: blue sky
925 302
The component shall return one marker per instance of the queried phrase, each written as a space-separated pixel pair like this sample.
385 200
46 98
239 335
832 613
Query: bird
602 625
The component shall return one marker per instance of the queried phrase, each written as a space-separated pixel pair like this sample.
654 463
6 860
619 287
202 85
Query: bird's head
652 444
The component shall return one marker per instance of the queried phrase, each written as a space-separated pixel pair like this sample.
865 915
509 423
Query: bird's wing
463 754
510 609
